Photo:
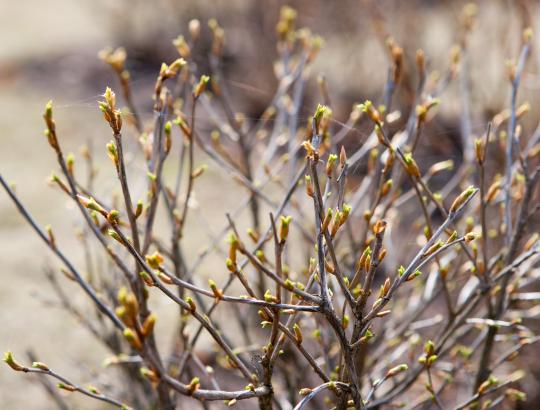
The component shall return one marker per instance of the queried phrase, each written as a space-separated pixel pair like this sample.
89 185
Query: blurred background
48 50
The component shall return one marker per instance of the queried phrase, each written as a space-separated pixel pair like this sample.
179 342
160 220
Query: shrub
352 307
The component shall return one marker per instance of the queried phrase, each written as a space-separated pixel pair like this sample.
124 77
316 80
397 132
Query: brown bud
411 167
379 227
327 219
309 185
298 334
462 198
67 387
132 338
362 260
148 324
479 150
165 278
149 374
420 60
396 370
10 361
342 157
389 161
493 190
386 187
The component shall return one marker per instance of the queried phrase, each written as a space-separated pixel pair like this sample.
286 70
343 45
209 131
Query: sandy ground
26 161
